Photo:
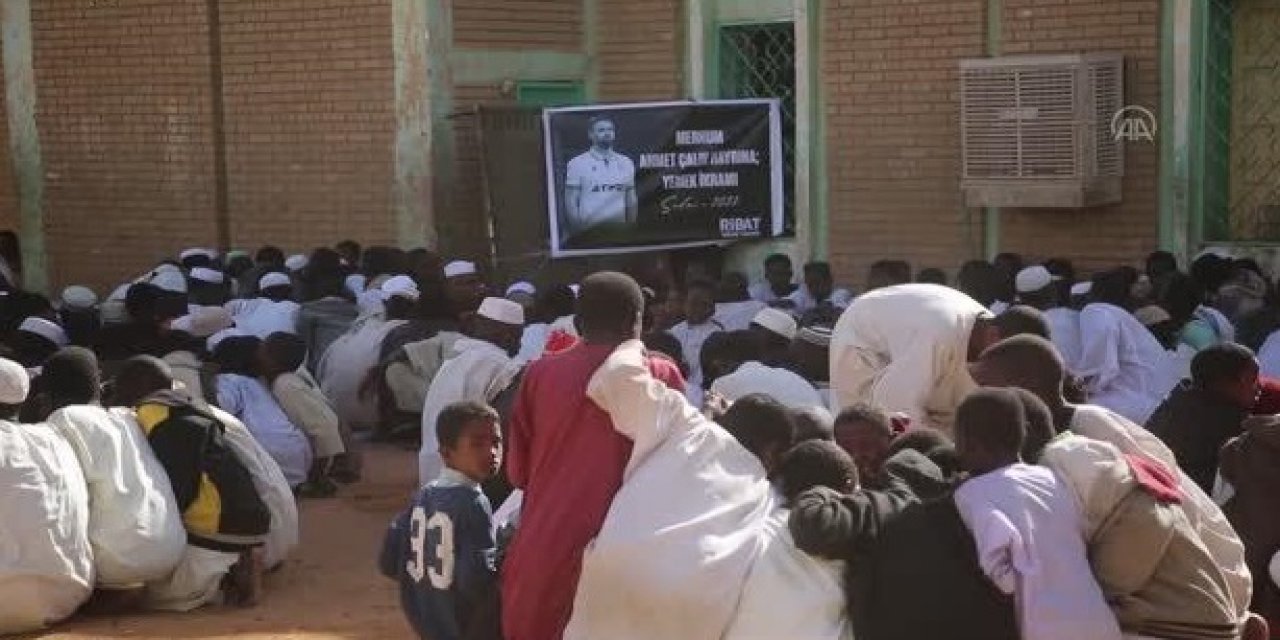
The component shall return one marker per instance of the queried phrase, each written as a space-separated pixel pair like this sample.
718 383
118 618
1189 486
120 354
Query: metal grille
1241 119
759 61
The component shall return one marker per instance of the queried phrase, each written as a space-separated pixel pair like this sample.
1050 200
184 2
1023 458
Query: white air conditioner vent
1036 130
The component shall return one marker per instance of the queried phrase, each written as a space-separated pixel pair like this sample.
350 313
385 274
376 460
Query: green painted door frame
994 44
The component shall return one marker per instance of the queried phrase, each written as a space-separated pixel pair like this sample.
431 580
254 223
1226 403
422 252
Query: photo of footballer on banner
640 177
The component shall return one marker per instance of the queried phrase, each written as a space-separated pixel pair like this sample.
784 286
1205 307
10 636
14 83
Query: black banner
636 177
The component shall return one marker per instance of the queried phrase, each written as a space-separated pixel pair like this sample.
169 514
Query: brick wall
123 112
1106 236
639 48
518 24
310 121
892 139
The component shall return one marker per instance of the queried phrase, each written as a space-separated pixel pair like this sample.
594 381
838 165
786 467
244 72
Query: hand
714 405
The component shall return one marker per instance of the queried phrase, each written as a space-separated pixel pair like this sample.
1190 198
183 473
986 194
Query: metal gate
1240 121
759 61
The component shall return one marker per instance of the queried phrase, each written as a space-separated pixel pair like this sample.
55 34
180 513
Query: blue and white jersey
442 552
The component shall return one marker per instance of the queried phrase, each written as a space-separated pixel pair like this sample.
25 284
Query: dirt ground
329 590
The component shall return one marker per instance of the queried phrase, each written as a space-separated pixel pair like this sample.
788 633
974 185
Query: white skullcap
205 274
1033 279
78 297
526 288
197 251
47 329
170 280
296 262
203 322
1081 288
15 382
502 310
216 339
575 288
777 321
400 287
459 268
274 279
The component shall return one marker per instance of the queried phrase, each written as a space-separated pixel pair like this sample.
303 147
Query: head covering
459 268
170 280
15 383
296 262
204 322
205 274
1081 288
273 279
502 310
197 251
1151 315
400 287
816 336
216 339
777 321
46 329
78 297
1033 279
526 288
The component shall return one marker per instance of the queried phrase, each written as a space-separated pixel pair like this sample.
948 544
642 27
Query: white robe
262 317
345 365
1121 362
780 384
1269 356
905 349
135 526
477 371
684 529
533 342
1030 539
46 561
251 402
737 316
805 302
1219 538
272 487
791 594
1064 332
691 338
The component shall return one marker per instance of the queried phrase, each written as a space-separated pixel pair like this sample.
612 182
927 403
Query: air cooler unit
1036 130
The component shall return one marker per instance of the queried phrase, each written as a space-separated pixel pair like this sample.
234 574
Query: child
299 395
866 434
442 549
244 396
1026 524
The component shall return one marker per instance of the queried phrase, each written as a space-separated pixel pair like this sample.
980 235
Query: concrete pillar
422 32
24 139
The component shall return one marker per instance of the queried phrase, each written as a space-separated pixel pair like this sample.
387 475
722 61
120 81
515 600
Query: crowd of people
1023 454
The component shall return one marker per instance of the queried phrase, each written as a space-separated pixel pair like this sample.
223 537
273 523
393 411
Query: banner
639 177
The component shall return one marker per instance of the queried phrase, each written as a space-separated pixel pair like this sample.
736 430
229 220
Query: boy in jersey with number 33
442 550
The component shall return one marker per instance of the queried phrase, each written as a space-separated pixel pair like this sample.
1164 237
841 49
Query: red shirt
568 459
1268 397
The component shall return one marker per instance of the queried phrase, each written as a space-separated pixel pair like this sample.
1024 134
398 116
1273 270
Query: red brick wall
123 112
640 50
892 139
1106 236
310 121
518 24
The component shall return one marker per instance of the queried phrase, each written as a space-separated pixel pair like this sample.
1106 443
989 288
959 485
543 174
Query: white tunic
691 338
46 562
686 526
135 526
1120 362
533 341
262 317
345 365
805 302
736 316
1030 539
249 400
1064 332
905 349
1219 538
780 384
1269 356
272 487
477 371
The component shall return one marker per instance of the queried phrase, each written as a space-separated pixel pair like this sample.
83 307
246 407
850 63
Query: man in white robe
906 348
676 571
1040 289
1120 362
346 364
46 560
272 312
135 527
482 367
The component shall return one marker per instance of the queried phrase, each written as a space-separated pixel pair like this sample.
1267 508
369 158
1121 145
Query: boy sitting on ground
299 395
442 550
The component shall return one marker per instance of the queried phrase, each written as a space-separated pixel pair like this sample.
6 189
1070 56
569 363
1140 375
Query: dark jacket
220 505
1195 425
1251 463
848 527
